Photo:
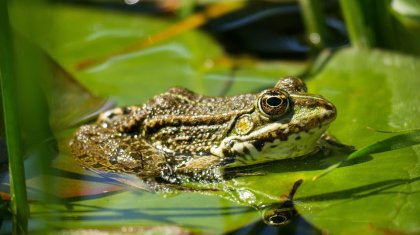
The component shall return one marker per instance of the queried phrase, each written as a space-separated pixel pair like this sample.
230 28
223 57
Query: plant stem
19 204
361 36
314 20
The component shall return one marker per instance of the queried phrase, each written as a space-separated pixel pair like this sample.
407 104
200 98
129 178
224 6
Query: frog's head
286 122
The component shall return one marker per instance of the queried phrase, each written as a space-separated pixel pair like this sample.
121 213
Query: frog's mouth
249 150
293 136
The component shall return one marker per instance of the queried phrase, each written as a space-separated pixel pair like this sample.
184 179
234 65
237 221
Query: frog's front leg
329 142
209 168
201 168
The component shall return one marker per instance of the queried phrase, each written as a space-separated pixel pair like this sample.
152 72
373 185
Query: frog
181 136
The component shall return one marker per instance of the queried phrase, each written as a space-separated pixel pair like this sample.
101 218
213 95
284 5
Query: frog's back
177 107
182 102
181 122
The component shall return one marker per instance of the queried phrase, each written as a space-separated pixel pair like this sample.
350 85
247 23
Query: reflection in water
281 217
281 213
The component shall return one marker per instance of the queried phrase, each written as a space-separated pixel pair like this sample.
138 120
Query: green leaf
192 59
389 144
375 194
9 104
195 212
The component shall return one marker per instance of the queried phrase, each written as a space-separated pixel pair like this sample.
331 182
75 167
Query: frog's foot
178 175
203 169
329 142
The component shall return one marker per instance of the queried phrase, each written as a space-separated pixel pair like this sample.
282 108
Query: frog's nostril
329 106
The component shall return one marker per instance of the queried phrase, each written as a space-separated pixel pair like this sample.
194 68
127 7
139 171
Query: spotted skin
182 136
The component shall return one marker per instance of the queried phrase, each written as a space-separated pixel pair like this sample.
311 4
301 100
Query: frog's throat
228 144
247 152
275 132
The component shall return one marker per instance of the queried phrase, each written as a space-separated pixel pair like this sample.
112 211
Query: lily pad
194 212
191 59
370 89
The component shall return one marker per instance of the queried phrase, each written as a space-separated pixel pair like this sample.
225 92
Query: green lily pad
370 89
191 59
194 212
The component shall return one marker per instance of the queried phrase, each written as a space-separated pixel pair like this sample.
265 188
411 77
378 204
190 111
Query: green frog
180 136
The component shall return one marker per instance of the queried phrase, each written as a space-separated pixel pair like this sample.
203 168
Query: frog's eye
273 103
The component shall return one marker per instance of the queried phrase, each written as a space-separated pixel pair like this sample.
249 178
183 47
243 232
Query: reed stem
19 205
361 35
